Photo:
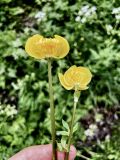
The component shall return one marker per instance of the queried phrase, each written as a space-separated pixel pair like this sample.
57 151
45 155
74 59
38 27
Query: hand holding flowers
75 78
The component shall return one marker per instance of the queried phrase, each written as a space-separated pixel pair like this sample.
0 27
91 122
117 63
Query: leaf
111 156
75 127
94 54
63 133
59 145
16 10
63 142
65 125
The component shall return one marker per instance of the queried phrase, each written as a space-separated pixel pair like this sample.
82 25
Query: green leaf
16 10
111 156
95 55
63 133
75 127
65 125
63 142
59 145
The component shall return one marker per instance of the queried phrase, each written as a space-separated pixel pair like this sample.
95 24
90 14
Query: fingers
39 152
72 154
42 152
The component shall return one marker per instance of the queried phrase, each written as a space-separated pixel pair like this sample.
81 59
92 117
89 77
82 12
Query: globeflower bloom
76 78
39 47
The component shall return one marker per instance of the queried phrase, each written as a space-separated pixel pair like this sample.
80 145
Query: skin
41 152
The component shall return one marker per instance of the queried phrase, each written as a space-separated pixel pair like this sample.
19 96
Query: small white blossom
40 15
116 10
86 13
90 132
109 27
77 19
93 127
83 20
98 117
117 17
116 116
8 111
84 9
93 9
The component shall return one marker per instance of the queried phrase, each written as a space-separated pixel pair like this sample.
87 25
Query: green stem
52 111
83 157
76 97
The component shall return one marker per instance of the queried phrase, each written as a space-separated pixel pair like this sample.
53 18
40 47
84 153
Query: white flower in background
8 111
93 9
83 20
116 10
117 17
109 27
86 13
107 138
90 132
84 9
40 15
77 19
93 127
98 117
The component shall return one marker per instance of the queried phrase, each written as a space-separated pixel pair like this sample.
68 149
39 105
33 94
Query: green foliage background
23 80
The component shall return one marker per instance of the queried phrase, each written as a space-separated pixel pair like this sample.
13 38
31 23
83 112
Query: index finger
41 152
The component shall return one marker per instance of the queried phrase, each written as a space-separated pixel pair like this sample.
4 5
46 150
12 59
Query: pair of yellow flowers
76 78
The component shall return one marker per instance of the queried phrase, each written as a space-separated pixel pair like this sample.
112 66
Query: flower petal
63 82
85 75
40 47
33 48
62 47
69 74
76 78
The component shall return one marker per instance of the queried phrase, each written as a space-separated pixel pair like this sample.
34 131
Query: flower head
86 13
76 78
39 47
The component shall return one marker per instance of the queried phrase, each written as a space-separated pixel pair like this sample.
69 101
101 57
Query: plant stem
52 111
76 97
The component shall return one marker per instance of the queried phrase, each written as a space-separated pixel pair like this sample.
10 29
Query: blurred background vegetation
92 29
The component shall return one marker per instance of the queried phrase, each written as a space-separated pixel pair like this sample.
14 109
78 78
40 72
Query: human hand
41 152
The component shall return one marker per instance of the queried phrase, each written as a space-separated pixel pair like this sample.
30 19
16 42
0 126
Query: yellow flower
39 47
76 78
